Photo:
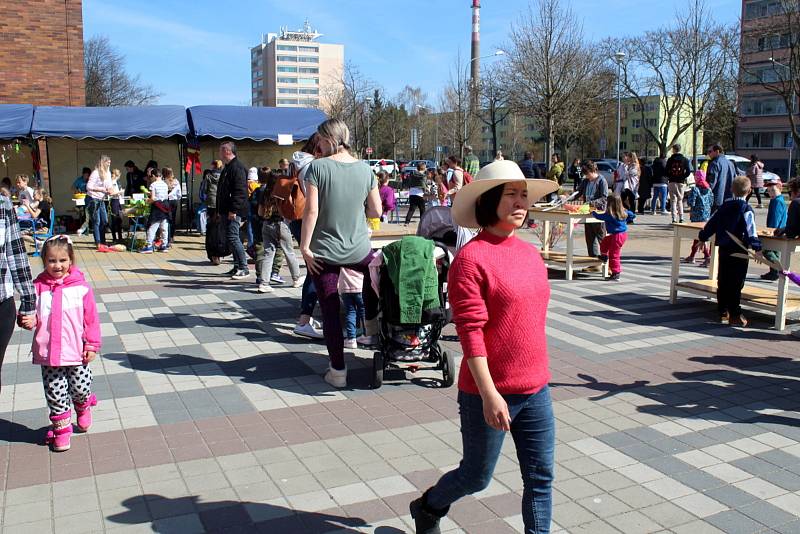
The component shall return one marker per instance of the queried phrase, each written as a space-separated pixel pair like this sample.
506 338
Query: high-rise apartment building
293 69
763 127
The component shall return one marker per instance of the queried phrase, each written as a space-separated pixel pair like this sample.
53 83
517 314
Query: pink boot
84 411
59 434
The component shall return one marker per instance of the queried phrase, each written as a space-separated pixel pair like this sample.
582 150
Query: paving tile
733 522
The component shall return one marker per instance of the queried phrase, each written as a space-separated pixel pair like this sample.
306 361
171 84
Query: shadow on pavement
13 432
233 516
739 389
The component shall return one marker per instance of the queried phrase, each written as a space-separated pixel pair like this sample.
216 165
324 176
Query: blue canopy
109 122
15 120
255 123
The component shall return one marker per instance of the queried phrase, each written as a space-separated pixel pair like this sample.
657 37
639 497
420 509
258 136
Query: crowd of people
323 199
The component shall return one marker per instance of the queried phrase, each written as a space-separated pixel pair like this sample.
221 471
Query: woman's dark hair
753 158
311 144
589 166
486 206
455 159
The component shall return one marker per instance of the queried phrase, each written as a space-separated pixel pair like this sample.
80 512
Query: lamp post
472 88
368 100
618 58
790 140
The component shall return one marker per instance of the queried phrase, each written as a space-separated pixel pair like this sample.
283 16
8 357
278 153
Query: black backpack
676 168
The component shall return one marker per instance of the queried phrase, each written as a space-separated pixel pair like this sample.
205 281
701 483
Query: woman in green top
335 235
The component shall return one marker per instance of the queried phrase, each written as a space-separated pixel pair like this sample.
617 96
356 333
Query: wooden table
389 234
780 301
568 260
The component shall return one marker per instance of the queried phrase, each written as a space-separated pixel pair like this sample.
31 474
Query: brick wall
41 53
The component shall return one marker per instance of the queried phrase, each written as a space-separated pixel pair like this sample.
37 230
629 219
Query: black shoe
603 258
613 278
426 520
231 272
770 276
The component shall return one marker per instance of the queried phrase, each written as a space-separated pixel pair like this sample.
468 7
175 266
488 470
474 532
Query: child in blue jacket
776 219
617 219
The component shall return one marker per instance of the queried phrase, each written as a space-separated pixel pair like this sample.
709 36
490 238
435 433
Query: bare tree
552 66
494 101
347 100
680 65
107 82
458 122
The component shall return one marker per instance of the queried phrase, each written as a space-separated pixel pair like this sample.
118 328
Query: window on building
623 130
284 68
637 123
761 8
287 90
761 43
308 49
623 145
756 106
255 84
309 91
636 138
650 123
286 80
290 59
763 139
255 52
309 70
650 107
307 59
637 108
763 74
310 102
287 48
308 81
290 101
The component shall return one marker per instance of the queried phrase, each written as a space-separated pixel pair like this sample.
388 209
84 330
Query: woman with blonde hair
334 234
97 187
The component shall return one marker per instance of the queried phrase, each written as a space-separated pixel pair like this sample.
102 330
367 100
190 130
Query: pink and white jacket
66 320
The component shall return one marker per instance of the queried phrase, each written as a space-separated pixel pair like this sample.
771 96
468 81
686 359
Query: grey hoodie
301 161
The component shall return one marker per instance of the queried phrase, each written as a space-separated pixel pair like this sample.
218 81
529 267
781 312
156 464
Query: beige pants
676 200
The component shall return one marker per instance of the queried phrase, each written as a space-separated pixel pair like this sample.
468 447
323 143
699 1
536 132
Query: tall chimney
475 67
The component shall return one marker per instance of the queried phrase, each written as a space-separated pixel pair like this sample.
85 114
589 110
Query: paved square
214 417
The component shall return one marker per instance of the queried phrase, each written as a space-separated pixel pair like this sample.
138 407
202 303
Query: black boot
426 518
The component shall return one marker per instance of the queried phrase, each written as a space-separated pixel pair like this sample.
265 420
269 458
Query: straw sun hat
494 174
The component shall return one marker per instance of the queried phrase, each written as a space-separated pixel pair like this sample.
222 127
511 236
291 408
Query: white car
378 165
740 162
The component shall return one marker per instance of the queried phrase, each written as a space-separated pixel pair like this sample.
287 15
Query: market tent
15 120
254 123
141 122
78 136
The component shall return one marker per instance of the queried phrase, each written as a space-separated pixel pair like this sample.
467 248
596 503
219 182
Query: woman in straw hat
504 374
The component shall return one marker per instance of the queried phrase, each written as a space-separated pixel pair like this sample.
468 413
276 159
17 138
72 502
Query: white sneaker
264 287
309 330
367 341
299 282
337 378
350 343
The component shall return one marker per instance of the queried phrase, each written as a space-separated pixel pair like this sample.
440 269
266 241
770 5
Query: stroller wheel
448 369
377 369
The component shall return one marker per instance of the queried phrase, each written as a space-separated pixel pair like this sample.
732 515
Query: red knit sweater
498 291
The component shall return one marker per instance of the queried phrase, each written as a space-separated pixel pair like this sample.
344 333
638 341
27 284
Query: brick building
41 53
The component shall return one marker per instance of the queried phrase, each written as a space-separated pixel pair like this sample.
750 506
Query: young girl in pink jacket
66 339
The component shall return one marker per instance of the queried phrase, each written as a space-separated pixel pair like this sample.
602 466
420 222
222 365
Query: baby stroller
413 346
437 224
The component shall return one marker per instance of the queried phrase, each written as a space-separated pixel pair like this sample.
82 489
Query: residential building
763 127
293 69
41 53
635 120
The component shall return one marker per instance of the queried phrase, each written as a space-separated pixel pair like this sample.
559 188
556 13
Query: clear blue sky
198 52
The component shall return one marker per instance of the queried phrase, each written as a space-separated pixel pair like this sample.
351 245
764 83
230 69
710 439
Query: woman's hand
495 411
313 266
88 356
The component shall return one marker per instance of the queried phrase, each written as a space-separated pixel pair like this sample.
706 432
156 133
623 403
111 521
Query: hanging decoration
193 159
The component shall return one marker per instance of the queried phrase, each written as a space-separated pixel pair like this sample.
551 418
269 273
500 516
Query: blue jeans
309 294
354 313
533 431
98 217
659 193
232 229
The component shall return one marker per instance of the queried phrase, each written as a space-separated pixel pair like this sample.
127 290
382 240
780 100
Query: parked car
606 168
741 163
412 166
387 165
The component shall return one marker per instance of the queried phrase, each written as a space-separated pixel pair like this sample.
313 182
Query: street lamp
618 58
368 100
472 88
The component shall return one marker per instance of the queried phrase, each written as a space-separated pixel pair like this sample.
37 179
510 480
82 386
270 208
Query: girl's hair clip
60 237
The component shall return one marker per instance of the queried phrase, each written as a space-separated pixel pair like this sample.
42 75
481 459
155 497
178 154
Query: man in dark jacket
678 170
719 176
528 167
134 179
593 190
659 180
232 205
